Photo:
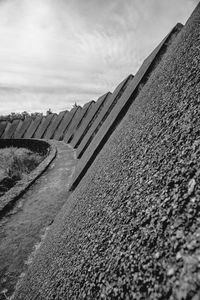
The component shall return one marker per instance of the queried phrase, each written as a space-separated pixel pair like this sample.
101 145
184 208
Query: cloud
54 53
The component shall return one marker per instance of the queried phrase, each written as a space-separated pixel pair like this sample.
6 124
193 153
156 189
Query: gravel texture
131 229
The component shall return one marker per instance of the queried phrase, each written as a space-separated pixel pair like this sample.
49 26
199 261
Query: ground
23 228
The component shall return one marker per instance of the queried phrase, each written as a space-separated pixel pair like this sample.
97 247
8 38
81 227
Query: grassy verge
15 163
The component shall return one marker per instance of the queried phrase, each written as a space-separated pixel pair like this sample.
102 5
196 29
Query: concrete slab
43 126
10 132
61 125
54 125
123 105
77 121
59 134
32 128
8 124
87 122
3 125
18 127
22 130
51 120
39 128
107 108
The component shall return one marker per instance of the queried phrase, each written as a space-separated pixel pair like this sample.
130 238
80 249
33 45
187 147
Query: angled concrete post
33 127
77 121
54 125
3 125
24 127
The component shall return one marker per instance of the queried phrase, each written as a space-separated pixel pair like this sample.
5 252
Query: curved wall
34 145
130 230
44 148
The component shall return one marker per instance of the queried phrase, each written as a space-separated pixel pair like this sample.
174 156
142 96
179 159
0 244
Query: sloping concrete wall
8 124
59 134
32 128
3 125
130 230
22 130
61 125
18 128
43 126
87 122
54 125
112 99
90 151
37 132
77 121
11 130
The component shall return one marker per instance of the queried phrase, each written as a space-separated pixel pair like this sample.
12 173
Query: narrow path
23 228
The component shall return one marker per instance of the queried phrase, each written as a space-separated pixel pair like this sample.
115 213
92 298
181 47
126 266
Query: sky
54 53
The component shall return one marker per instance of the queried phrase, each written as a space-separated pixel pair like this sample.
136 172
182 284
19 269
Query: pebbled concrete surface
131 230
22 229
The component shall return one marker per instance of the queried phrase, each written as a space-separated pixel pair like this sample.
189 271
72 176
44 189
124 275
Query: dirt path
23 228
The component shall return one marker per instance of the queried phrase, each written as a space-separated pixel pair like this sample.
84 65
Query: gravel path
23 228
131 230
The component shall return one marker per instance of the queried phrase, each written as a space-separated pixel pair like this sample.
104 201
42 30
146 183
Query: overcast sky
56 52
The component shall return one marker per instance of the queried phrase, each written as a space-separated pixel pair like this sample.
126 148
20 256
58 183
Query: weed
15 163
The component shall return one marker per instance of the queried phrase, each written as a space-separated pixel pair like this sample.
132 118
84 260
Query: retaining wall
3 125
77 121
130 230
18 128
54 125
87 122
11 130
43 126
32 128
8 124
60 132
112 99
22 130
41 147
95 140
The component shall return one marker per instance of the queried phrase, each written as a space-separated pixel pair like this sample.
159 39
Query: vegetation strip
10 197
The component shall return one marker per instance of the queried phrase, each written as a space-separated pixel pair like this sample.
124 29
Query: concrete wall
54 125
37 132
8 125
32 128
130 230
87 122
60 132
3 125
77 121
22 130
43 126
80 126
90 150
18 128
61 125
111 101
11 130
51 121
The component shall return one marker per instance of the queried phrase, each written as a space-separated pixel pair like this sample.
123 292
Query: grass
15 163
